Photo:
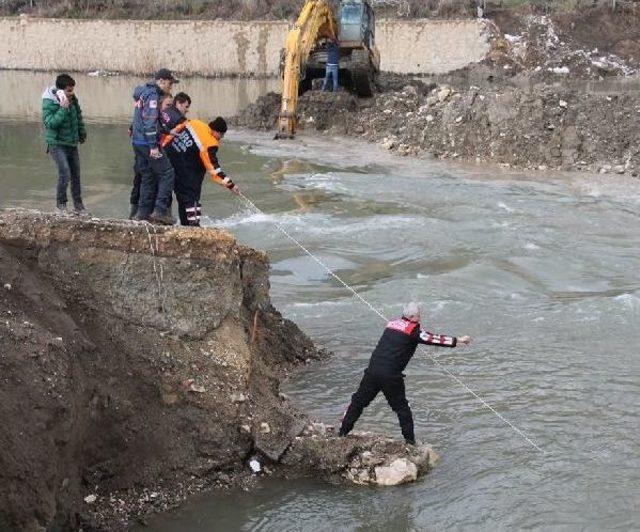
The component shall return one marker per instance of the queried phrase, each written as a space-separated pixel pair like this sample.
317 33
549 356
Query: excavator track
362 74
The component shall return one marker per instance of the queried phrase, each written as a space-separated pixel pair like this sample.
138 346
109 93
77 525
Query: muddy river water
543 272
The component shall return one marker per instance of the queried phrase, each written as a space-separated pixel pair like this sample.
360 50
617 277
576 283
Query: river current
542 270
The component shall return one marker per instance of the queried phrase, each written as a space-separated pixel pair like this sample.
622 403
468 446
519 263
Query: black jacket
333 54
398 343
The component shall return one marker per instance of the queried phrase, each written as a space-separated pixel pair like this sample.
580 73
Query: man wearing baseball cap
151 162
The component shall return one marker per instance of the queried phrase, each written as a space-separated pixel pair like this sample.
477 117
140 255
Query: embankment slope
131 360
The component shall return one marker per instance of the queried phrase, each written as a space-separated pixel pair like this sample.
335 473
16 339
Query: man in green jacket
64 129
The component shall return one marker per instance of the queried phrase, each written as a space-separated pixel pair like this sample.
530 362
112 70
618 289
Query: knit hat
219 125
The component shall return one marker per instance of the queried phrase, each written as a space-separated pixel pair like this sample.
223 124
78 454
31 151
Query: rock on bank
142 364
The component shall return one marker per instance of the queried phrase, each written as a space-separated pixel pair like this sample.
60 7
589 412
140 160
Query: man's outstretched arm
442 340
209 158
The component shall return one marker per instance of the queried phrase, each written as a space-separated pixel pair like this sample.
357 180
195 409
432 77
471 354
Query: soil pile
552 48
539 127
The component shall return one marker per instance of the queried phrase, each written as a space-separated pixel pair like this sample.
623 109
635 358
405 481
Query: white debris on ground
540 50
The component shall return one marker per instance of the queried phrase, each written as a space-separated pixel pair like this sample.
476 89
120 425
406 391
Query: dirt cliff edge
133 359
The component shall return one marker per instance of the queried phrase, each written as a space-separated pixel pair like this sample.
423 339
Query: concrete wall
218 48
430 46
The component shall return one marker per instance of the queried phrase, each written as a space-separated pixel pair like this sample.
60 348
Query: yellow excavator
305 57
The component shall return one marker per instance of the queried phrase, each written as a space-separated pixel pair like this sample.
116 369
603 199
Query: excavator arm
316 21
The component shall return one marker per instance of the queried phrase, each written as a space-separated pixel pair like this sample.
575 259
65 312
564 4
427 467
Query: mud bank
143 364
543 127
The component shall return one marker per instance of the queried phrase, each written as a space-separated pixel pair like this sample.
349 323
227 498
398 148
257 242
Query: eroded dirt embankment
143 364
545 127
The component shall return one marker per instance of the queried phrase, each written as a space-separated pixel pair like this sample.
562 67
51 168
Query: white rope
457 379
146 226
158 270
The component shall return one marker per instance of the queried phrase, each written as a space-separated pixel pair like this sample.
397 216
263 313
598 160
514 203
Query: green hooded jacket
63 127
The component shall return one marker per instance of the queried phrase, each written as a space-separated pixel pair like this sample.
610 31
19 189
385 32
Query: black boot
79 210
161 218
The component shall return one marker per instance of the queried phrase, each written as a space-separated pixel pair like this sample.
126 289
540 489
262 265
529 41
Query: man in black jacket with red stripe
384 374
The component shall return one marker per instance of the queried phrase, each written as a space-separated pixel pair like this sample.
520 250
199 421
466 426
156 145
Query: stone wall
219 48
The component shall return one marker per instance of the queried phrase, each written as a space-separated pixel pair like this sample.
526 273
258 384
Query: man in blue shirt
333 65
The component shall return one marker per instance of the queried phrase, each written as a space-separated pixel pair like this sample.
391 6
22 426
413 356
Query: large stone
444 94
389 143
400 471
431 101
369 459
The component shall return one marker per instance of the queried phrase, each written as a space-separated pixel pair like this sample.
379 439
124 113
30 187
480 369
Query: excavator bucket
286 129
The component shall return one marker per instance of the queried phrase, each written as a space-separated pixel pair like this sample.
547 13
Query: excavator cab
359 57
357 23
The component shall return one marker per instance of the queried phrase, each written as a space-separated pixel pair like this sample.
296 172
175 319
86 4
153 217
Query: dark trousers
67 160
392 386
156 181
134 199
188 190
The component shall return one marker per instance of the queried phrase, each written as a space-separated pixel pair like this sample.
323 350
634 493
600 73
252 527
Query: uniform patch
403 326
153 104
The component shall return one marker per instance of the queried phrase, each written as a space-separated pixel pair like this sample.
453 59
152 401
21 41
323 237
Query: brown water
543 272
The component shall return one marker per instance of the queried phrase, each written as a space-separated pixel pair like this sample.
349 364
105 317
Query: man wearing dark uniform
384 374
152 168
174 114
194 152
